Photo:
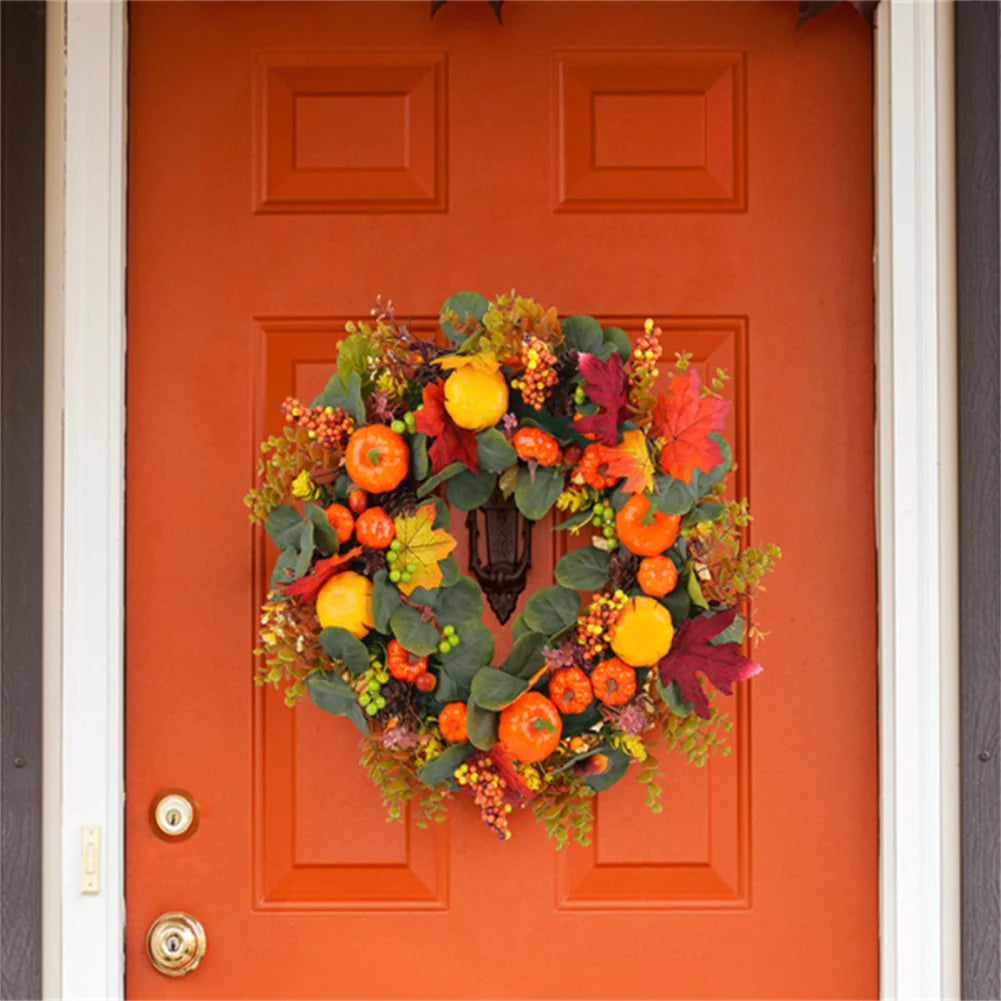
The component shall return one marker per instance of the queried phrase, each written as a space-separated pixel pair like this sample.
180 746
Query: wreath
370 614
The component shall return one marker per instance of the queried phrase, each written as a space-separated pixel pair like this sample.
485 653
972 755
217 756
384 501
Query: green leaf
306 548
702 483
619 340
450 570
525 657
672 496
323 532
420 465
440 767
469 490
328 692
452 469
584 569
481 725
518 627
466 304
346 395
560 428
341 645
577 723
493 689
507 481
352 356
494 452
287 560
694 589
385 601
534 499
412 632
618 762
671 693
580 518
551 609
582 333
475 649
462 602
679 604
442 514
283 524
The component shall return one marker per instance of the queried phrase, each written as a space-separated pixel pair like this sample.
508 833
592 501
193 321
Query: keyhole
173 817
173 945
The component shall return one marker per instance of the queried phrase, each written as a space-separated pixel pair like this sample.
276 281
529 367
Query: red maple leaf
691 652
451 442
605 384
685 418
309 585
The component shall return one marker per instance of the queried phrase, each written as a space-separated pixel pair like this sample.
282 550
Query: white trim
93 474
916 477
918 669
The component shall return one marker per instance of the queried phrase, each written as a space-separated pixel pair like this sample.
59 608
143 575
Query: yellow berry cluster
540 372
642 368
328 426
593 627
488 789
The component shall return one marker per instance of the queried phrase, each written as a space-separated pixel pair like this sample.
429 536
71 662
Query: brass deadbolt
175 944
174 815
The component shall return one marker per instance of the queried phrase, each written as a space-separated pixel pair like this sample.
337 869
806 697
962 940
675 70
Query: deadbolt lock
175 944
174 815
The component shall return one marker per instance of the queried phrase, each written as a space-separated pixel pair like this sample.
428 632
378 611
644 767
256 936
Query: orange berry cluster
595 624
540 372
488 788
329 427
642 368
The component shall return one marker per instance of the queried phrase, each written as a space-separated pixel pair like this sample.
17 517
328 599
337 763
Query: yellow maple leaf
422 544
631 459
485 361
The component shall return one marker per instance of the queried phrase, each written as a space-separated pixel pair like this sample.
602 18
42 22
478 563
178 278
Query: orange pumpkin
641 537
530 728
377 458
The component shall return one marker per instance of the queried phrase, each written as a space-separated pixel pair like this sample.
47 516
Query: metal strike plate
90 859
175 944
174 815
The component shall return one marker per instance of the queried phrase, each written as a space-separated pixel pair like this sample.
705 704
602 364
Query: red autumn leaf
309 586
605 384
451 442
685 418
691 652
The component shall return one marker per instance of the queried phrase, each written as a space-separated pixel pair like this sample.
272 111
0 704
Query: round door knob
175 943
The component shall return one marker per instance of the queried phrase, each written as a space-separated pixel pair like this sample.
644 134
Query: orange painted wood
704 164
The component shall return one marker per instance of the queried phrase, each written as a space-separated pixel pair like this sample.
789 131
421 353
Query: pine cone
402 500
369 563
561 401
622 569
401 702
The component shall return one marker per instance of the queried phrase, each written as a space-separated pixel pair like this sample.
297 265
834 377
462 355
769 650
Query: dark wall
979 256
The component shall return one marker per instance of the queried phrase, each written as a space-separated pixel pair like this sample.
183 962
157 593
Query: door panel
703 164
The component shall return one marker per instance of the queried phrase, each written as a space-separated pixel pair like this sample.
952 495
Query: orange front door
703 164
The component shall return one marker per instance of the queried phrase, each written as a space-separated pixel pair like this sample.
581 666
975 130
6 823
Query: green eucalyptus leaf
346 395
287 560
481 725
493 689
452 469
420 465
474 651
331 694
679 604
575 724
442 514
618 762
525 657
584 569
561 428
467 490
466 304
519 627
341 645
352 356
283 525
702 482
323 532
619 340
535 496
412 632
462 602
672 496
441 766
306 547
551 609
385 600
494 452
582 333
450 570
671 693
579 518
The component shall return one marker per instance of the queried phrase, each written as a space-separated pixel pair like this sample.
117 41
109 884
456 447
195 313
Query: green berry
608 531
374 686
411 568
596 520
449 630
453 642
613 544
608 517
383 677
380 701
392 557
394 576
398 426
444 646
395 545
371 709
405 577
364 699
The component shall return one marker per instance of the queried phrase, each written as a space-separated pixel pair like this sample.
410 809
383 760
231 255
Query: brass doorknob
175 943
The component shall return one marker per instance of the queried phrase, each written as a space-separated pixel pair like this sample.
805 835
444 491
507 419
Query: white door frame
915 476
